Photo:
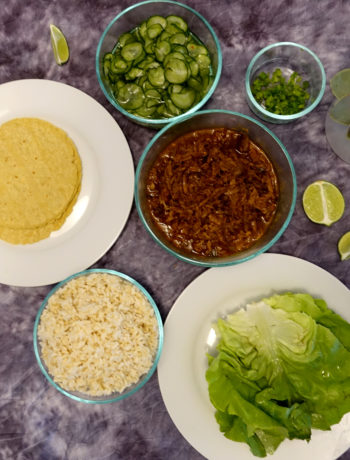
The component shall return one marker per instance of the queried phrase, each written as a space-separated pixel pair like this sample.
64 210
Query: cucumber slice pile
159 69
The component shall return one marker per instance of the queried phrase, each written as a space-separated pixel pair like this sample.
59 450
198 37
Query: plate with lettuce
256 362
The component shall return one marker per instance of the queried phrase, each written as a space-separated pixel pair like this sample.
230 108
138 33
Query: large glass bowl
116 396
288 57
132 17
258 133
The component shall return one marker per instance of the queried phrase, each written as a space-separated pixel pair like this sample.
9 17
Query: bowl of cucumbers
158 61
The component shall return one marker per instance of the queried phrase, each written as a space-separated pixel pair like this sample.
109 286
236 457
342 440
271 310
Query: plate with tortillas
66 182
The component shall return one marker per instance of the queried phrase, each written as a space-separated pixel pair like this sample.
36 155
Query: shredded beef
212 192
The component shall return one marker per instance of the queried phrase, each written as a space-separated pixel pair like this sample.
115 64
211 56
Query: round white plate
182 366
106 196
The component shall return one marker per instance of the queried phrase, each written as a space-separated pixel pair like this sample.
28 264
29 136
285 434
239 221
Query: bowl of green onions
284 82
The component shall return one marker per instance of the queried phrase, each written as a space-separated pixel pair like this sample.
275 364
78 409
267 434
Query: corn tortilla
40 179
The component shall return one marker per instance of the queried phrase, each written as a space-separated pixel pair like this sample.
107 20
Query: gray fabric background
36 422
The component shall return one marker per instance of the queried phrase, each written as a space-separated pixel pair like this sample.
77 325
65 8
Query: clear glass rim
159 121
222 263
275 116
159 348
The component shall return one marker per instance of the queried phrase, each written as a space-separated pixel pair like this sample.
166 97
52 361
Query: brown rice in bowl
98 336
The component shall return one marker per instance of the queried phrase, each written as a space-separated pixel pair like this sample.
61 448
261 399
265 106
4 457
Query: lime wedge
340 111
340 83
59 45
323 202
344 246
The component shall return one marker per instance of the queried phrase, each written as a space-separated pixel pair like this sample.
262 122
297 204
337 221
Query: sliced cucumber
156 20
151 103
174 55
125 39
112 78
154 30
145 62
140 81
194 50
161 50
119 66
145 112
178 39
106 68
206 82
176 70
161 111
108 57
172 29
180 49
147 85
149 46
164 111
140 58
164 35
153 98
178 21
172 108
143 30
195 83
194 67
175 89
134 73
156 76
119 85
130 96
184 99
132 51
152 65
203 62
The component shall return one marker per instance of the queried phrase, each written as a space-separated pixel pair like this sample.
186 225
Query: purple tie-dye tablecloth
36 421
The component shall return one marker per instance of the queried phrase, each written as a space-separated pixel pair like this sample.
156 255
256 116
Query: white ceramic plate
105 200
182 366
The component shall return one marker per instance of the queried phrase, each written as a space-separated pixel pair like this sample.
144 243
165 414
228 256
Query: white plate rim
105 200
182 364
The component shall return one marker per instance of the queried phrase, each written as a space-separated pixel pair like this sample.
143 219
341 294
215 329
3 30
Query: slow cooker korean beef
212 192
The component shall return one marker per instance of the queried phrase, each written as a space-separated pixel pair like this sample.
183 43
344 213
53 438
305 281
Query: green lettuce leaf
283 367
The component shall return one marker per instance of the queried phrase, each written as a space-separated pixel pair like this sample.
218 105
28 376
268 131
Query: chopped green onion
279 95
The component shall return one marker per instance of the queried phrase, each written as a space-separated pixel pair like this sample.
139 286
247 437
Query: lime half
340 83
59 45
344 246
323 202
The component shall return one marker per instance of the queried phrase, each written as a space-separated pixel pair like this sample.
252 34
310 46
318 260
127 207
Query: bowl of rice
98 336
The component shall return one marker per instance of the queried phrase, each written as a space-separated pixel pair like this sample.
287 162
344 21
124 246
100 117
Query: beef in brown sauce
212 192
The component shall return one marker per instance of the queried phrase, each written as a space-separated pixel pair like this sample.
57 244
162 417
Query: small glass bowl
288 57
116 396
132 17
259 134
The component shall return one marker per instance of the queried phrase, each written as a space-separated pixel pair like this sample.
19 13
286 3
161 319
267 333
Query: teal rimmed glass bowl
116 396
289 57
258 133
132 17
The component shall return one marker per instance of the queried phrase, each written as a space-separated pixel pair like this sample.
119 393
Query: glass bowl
288 57
116 396
258 133
338 132
132 17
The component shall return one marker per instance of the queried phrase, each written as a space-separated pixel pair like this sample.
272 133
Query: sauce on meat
212 192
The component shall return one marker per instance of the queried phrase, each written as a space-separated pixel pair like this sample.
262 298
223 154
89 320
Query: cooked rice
98 334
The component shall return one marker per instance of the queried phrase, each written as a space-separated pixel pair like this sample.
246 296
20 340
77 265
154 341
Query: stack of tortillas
40 179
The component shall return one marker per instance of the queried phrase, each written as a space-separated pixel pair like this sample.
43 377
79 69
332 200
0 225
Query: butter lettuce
282 368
